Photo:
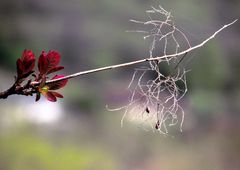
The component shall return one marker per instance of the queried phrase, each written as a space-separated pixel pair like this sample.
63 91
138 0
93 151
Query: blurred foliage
209 69
27 152
9 52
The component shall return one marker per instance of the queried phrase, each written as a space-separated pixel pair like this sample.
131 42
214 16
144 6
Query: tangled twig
155 101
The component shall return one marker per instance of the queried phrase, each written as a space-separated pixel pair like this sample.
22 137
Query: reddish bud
48 63
25 64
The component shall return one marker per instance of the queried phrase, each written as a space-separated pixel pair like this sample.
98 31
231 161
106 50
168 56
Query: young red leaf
46 90
48 63
50 96
56 94
27 56
28 60
25 64
59 84
53 59
42 63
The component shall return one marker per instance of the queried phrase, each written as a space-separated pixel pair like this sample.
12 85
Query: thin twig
25 90
140 61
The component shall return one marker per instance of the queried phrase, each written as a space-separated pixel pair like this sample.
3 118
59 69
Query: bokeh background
78 132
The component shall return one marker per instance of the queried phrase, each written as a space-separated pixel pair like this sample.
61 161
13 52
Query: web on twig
155 96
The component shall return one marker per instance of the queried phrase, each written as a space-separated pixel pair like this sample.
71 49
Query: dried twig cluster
155 96
155 101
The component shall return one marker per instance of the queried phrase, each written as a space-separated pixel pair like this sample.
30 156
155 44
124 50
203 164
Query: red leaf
25 64
56 94
50 96
28 60
59 84
27 54
48 63
53 59
42 63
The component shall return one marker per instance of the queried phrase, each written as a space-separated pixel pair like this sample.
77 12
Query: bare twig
14 90
142 60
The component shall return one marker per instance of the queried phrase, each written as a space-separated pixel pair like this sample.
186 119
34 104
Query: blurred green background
78 132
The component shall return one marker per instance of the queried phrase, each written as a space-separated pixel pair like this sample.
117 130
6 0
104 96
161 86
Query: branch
16 88
30 86
140 61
